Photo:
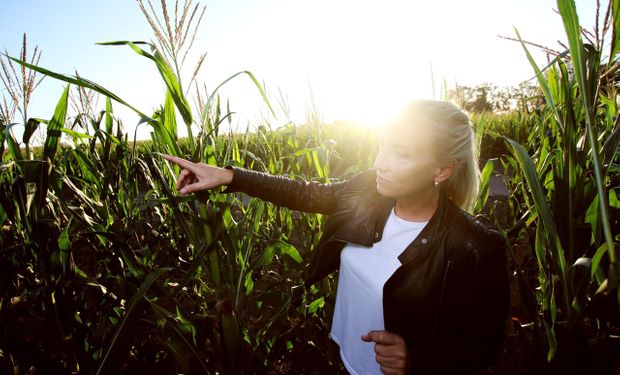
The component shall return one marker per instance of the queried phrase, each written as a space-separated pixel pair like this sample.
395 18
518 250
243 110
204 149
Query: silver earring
436 184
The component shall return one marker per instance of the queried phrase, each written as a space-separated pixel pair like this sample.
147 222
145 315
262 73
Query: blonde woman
422 285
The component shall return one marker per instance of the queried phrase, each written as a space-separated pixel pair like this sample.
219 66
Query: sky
352 60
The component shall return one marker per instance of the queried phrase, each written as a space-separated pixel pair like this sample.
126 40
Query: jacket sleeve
474 336
298 195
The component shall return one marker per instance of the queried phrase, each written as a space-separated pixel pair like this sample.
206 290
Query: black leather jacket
448 299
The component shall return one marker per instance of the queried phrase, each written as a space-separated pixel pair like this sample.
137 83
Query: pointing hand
196 177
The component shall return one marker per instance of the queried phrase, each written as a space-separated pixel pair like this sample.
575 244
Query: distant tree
487 97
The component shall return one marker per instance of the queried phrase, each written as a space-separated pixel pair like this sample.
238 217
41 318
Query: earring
436 184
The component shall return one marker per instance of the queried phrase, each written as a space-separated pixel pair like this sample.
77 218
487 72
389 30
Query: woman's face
406 167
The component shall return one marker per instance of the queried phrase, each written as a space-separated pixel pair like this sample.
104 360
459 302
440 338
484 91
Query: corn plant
132 276
569 194
108 270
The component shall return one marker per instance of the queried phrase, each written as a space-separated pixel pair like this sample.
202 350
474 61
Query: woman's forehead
408 138
406 131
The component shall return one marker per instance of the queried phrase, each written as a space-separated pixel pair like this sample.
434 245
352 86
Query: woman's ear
445 171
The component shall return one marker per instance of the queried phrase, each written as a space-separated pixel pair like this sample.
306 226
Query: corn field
105 269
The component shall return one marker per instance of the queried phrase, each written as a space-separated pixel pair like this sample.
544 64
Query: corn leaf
109 123
615 40
256 83
14 149
75 135
131 308
485 180
610 147
64 245
166 72
545 216
288 249
31 127
178 324
170 118
544 85
78 81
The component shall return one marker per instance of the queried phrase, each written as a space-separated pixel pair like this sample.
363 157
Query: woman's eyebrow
398 143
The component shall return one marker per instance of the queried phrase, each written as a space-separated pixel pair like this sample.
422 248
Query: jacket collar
369 222
421 245
375 211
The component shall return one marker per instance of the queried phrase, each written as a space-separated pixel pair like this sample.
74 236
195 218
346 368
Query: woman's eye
400 155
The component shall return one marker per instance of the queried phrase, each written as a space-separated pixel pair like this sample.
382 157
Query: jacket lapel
431 234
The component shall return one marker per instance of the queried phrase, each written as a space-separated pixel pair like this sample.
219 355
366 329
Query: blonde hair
452 141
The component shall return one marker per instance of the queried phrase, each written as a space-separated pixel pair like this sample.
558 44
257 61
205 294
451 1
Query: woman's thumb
368 337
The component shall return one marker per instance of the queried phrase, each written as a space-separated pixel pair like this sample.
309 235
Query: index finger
180 162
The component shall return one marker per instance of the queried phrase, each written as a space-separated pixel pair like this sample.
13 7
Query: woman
422 285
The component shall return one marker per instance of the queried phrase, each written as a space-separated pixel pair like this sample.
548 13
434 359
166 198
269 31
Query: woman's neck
417 209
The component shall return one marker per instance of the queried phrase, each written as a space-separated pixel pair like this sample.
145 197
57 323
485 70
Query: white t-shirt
359 299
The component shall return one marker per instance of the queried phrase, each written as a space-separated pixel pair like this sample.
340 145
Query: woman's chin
383 190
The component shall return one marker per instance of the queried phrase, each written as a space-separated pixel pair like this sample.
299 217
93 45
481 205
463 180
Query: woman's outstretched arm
297 195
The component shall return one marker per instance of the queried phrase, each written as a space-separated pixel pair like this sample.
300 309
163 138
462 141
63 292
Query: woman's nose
379 163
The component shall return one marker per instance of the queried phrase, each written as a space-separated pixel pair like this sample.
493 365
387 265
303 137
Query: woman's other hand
199 176
390 350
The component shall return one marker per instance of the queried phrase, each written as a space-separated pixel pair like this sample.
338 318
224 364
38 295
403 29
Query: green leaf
56 124
254 80
266 257
592 216
166 72
614 202
3 135
170 118
553 342
109 122
88 167
14 148
316 304
31 127
74 134
64 245
610 147
546 218
111 351
248 283
289 250
485 179
317 164
178 341
36 172
596 259
78 81
166 127
615 41
544 85
198 261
